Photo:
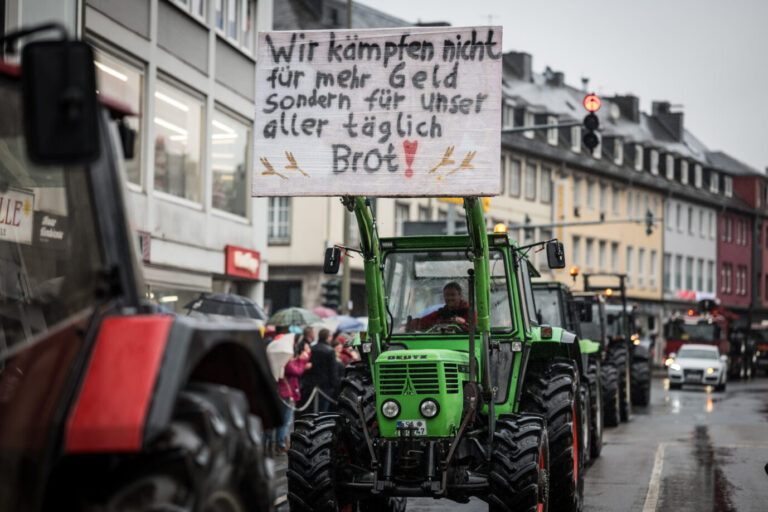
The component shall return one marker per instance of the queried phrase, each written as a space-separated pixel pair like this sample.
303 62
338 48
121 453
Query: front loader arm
479 236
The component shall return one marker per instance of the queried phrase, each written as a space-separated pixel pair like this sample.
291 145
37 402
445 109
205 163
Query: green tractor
460 392
557 306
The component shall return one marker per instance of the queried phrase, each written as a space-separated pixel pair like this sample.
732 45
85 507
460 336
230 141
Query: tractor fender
139 365
641 351
570 344
589 346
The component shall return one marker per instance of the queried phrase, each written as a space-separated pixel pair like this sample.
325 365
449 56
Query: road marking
652 498
281 499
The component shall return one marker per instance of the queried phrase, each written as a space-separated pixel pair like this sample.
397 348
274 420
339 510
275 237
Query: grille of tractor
451 378
422 378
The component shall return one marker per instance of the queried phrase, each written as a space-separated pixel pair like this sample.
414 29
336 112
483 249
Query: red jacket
288 386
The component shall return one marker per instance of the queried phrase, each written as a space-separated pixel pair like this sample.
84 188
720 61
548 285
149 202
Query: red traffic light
592 102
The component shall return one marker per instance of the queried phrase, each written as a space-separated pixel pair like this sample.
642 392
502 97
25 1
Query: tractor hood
409 377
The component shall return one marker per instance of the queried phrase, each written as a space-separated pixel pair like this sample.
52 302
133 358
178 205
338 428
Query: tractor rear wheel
316 461
519 474
210 458
596 393
552 389
641 382
610 388
618 357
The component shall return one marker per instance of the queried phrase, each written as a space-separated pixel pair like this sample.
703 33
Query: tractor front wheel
618 356
611 401
641 382
519 475
596 393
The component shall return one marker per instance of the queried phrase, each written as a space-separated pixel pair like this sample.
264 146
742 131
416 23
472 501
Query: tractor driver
455 311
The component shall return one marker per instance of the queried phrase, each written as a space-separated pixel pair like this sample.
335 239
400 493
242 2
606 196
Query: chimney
520 64
584 83
629 106
555 78
671 121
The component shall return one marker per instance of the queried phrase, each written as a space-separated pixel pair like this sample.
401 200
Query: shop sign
410 111
16 215
243 262
51 230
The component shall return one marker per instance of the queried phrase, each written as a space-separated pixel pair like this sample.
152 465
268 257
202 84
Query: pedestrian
307 337
321 374
339 368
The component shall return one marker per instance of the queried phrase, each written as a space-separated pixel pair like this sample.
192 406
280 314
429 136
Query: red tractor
105 403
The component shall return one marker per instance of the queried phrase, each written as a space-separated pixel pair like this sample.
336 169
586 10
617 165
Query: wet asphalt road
689 450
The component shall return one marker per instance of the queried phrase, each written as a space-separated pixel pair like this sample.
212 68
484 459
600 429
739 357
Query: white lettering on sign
246 261
387 112
16 215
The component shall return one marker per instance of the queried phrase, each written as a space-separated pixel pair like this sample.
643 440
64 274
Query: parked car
699 365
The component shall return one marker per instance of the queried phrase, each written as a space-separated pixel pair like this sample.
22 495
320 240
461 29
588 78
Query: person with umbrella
286 368
322 374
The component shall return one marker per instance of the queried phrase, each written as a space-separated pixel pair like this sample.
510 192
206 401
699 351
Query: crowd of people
309 368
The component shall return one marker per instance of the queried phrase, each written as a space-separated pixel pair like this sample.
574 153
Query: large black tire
586 422
552 389
316 462
596 393
210 458
641 382
519 475
611 400
358 384
618 356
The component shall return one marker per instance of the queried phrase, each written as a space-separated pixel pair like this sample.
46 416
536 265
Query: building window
714 182
503 173
700 275
652 272
729 230
121 81
630 271
614 256
698 176
669 164
618 151
603 197
667 271
508 116
246 25
689 273
576 139
589 260
728 186
177 142
279 220
597 152
529 121
638 157
576 251
679 210
690 220
194 7
601 266
424 213
530 180
402 212
641 267
702 228
615 200
710 276
678 272
231 28
638 205
552 132
654 162
230 163
629 204
514 178
668 216
234 19
576 191
546 184
590 194
684 172
711 224
219 21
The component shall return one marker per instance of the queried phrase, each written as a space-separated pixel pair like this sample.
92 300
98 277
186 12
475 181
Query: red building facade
734 258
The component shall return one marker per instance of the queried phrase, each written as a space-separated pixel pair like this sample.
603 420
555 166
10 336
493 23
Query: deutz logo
408 388
404 358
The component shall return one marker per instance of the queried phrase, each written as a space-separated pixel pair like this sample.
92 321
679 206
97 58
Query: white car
699 365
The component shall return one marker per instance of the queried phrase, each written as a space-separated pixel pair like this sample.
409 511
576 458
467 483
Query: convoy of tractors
476 379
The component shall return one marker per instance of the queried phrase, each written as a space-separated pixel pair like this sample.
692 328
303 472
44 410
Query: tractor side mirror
555 254
61 115
332 260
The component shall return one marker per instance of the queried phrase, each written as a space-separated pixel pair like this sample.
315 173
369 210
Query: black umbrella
227 304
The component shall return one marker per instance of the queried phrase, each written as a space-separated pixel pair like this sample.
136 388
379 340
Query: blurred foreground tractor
105 404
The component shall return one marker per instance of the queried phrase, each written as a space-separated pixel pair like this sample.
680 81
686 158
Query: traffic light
591 122
648 222
332 293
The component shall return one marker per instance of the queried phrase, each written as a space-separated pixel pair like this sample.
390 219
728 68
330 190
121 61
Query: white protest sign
410 111
16 215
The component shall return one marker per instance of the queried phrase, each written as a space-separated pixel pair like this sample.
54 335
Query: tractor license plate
413 427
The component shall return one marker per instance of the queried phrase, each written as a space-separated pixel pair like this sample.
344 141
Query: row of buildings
187 68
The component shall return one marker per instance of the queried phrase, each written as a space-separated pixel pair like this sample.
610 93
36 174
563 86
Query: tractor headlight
429 408
390 409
